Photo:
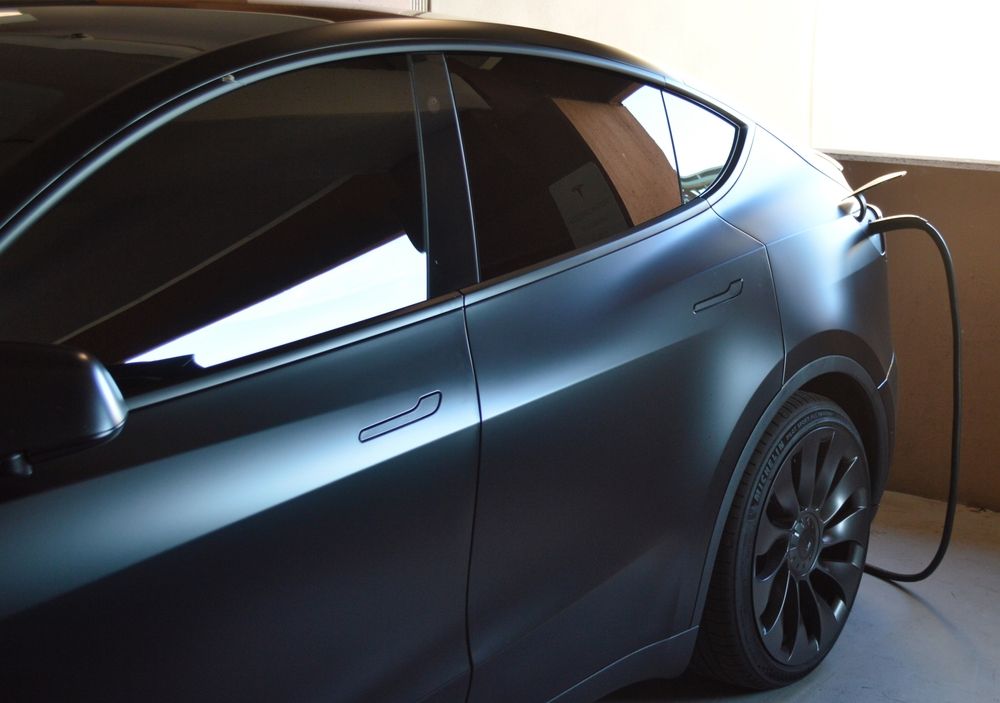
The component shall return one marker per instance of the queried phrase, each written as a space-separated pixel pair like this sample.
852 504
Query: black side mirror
56 400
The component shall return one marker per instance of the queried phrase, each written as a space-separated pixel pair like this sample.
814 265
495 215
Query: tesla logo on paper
587 205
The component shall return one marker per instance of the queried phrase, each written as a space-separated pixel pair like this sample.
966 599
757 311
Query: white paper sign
587 205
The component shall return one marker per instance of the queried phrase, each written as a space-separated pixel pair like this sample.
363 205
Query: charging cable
913 222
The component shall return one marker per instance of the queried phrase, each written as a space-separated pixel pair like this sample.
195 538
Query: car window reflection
387 278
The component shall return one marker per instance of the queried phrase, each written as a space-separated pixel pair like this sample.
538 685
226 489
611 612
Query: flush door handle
426 406
734 289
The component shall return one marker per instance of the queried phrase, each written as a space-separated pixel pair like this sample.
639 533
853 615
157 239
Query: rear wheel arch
844 381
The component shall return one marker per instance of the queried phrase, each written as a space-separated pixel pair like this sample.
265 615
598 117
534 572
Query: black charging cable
913 222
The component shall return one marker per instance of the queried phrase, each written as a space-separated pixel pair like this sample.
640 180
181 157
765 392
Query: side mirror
56 400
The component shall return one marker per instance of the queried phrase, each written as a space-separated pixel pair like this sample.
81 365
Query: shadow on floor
689 687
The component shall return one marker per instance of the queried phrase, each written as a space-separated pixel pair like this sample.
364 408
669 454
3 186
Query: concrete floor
936 641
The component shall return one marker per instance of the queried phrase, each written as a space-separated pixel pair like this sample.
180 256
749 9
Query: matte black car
401 359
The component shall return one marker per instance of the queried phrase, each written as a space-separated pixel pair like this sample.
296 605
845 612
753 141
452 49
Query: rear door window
560 156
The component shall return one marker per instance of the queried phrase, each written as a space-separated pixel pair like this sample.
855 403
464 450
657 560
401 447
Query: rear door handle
426 406
734 289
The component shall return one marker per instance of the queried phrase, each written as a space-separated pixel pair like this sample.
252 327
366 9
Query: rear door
287 513
619 334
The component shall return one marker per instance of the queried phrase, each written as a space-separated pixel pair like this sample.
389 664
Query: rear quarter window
704 142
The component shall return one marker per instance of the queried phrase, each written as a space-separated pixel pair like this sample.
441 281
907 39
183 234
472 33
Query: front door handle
426 406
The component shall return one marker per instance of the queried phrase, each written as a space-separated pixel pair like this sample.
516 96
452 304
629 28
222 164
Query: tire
793 550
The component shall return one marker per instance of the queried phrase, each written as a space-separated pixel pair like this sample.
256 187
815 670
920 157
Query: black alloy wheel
793 553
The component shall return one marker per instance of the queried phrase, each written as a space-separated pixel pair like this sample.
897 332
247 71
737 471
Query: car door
287 513
619 335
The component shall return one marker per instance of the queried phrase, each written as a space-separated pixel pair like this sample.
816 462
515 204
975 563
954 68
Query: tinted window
282 210
560 156
703 141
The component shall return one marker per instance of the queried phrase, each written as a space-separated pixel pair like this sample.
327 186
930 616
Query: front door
287 513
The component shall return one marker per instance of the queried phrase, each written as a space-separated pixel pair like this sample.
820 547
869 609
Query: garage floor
938 640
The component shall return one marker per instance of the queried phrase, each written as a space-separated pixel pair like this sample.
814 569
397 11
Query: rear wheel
793 550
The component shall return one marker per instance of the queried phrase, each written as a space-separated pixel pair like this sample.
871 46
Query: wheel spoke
803 647
769 597
773 632
769 534
810 612
843 572
837 581
772 640
831 620
854 478
828 622
852 528
791 620
814 450
836 461
783 494
767 564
